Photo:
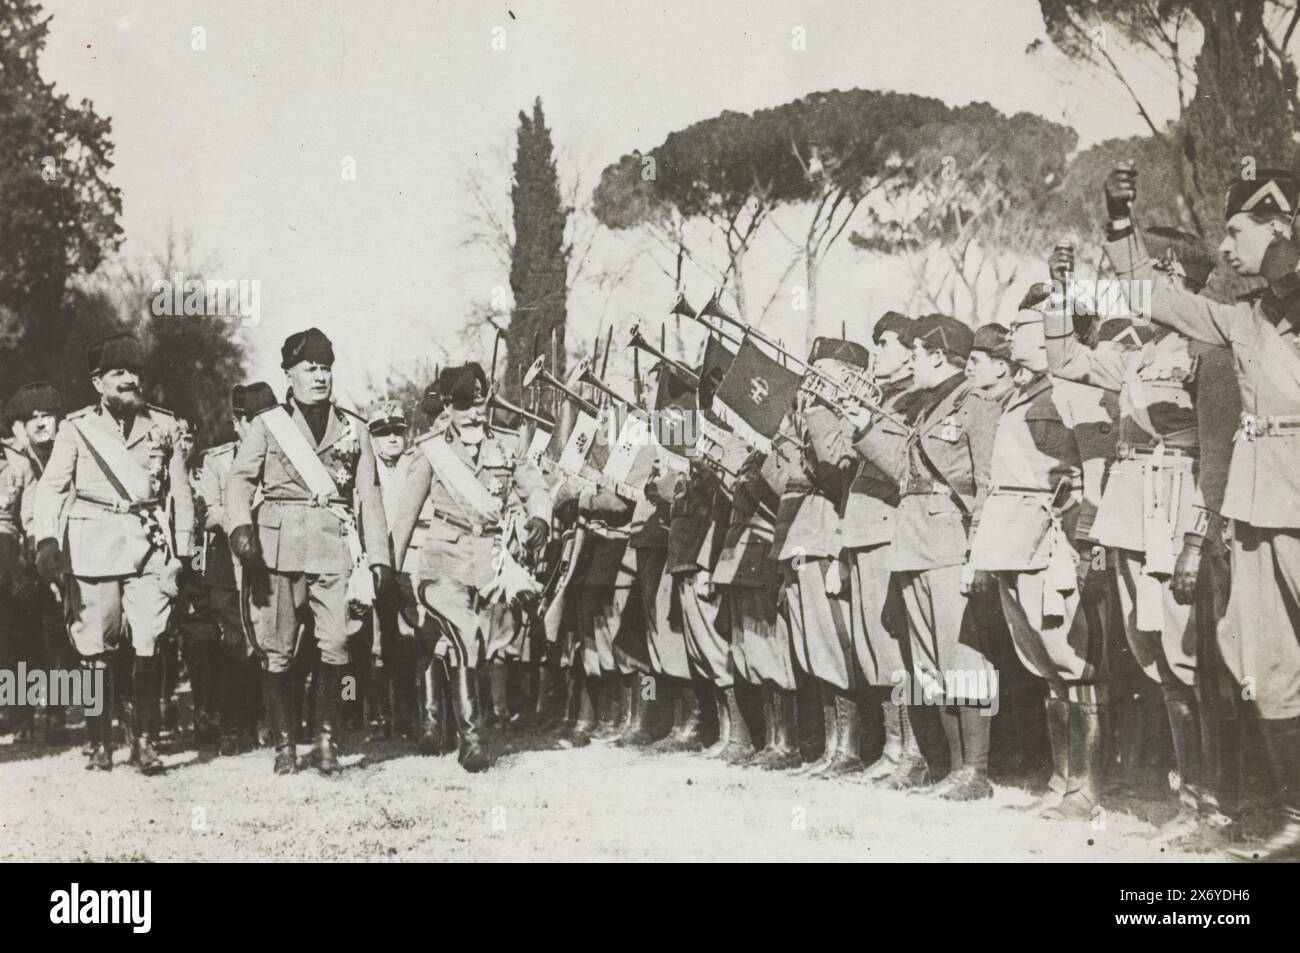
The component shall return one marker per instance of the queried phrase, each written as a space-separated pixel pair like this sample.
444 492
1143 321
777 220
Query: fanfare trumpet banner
755 393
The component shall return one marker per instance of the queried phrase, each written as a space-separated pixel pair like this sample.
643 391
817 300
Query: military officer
942 467
240 687
1259 634
392 652
99 517
481 486
1179 406
315 542
1028 538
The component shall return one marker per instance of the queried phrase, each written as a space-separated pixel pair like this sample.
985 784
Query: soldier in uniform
1030 544
749 578
103 536
481 484
1260 633
314 542
865 533
240 687
942 468
1179 406
36 632
390 692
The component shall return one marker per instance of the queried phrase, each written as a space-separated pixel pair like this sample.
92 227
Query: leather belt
1266 425
117 504
465 526
306 500
1128 451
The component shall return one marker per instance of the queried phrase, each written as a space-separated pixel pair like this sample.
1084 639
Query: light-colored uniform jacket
1264 335
101 542
296 534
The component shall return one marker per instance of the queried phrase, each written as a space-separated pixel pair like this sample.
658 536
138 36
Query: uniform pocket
269 520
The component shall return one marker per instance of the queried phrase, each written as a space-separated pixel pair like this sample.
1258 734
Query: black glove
246 546
536 532
384 579
51 565
1186 571
407 603
1121 191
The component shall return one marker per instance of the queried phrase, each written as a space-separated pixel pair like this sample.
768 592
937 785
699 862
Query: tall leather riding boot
99 728
277 697
950 721
848 739
1058 735
378 709
472 757
769 730
499 678
252 706
724 722
146 712
1184 725
686 733
1085 764
892 751
785 753
433 735
740 746
830 731
481 684
973 784
912 770
1282 741
329 699
676 691
124 698
609 724
232 708
200 688
548 680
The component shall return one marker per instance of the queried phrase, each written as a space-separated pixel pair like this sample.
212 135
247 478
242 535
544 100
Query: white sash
302 455
456 476
127 470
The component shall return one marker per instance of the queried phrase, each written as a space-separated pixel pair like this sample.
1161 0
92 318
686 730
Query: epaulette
88 409
350 413
160 410
219 450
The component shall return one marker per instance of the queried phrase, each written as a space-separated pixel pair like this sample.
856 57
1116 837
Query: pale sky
243 143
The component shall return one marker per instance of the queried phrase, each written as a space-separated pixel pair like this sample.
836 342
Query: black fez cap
457 383
993 339
839 349
310 345
942 332
113 352
237 399
1271 191
894 321
39 396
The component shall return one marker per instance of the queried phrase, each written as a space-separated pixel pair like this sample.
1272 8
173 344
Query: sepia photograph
608 431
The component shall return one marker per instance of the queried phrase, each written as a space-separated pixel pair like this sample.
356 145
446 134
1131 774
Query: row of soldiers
907 560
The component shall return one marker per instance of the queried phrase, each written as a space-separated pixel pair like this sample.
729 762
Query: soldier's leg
200 638
872 612
97 628
455 605
327 599
147 609
1264 610
434 739
58 655
275 604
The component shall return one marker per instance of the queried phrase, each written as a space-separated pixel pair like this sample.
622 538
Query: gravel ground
598 803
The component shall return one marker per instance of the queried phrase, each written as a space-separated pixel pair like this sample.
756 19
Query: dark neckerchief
317 417
937 395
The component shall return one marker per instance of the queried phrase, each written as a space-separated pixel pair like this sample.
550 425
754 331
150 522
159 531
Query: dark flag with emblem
717 361
755 394
676 409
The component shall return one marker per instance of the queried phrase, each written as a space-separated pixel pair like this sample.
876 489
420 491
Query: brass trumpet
582 374
638 341
496 402
538 374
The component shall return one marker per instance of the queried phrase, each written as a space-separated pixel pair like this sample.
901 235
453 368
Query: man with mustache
312 541
100 517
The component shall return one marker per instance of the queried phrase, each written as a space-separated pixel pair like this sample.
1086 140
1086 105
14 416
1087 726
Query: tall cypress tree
539 265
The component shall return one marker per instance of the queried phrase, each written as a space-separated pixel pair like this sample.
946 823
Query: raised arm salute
1260 635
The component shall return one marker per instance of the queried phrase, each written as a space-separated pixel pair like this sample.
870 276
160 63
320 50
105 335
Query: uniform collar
140 427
